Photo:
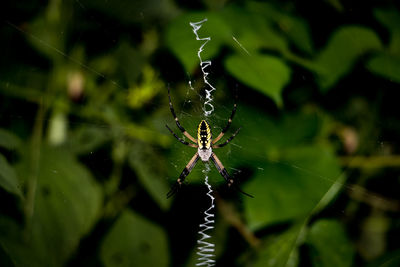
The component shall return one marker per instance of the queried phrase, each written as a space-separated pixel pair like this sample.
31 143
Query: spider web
207 109
205 249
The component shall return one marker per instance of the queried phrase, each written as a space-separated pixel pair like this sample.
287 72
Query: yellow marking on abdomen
204 135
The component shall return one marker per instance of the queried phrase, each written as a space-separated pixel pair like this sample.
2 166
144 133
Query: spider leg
228 140
183 175
227 126
225 174
171 107
180 139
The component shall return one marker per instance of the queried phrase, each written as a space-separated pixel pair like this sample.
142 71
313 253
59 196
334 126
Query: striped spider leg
183 175
221 169
204 144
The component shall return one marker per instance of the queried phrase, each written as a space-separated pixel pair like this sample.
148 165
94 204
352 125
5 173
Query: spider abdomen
204 135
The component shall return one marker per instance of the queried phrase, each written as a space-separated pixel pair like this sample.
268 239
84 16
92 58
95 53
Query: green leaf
86 139
385 65
50 42
266 74
20 251
277 135
330 245
150 169
293 27
5 261
298 32
138 11
390 18
280 250
130 61
252 30
390 259
342 51
134 241
8 140
291 187
66 206
182 41
8 178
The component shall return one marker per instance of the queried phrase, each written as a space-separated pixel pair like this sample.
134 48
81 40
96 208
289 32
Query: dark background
86 161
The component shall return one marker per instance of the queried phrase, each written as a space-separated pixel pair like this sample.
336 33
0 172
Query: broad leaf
342 51
46 32
390 259
132 11
87 139
66 206
291 173
385 65
266 74
293 27
330 245
280 250
181 39
8 140
252 31
291 187
134 241
8 178
150 169
264 136
390 18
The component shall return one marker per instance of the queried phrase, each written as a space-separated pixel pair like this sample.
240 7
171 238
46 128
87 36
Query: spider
205 145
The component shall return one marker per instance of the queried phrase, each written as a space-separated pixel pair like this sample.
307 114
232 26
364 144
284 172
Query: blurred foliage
147 247
86 161
326 236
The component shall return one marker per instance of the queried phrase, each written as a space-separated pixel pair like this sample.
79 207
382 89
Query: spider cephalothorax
205 145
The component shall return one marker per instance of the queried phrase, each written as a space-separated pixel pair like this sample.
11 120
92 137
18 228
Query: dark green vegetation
86 160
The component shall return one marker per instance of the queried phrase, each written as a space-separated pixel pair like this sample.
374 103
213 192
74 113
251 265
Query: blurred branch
146 134
232 217
363 162
118 155
363 195
118 201
20 92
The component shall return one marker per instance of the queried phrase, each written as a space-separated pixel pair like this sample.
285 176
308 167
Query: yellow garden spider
204 144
